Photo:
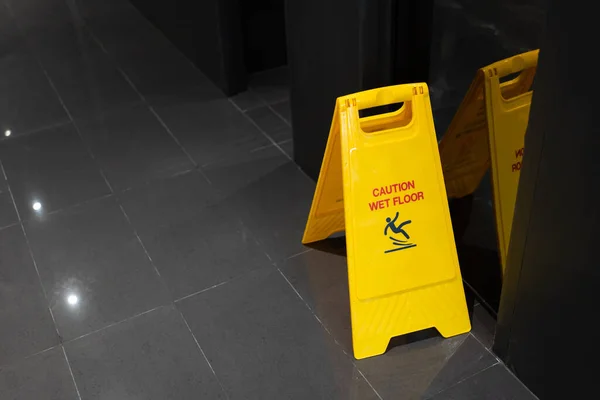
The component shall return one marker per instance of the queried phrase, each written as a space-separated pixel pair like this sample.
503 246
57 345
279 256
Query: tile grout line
113 324
37 130
9 226
484 346
92 332
80 204
27 357
83 142
137 236
35 266
165 126
299 254
183 149
272 141
265 134
3 173
60 99
105 196
71 371
522 384
366 380
242 275
330 334
162 280
59 210
48 303
203 354
473 374
187 296
462 380
115 194
285 121
148 105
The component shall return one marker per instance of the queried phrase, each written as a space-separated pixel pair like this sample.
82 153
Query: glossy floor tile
3 182
275 207
150 234
321 278
193 244
232 176
152 356
58 43
265 344
288 147
426 367
27 326
50 169
158 73
89 83
212 131
35 13
284 110
29 102
132 147
8 214
247 100
42 376
483 326
495 383
270 123
93 267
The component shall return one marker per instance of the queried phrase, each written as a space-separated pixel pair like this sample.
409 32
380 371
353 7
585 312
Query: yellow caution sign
508 116
381 180
465 147
489 128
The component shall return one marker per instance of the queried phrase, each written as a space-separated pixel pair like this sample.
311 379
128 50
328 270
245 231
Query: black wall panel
208 32
339 47
546 327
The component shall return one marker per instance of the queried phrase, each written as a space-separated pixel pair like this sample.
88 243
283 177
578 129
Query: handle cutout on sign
517 86
399 118
510 77
380 110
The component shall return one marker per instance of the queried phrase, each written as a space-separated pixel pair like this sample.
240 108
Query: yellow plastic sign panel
508 116
464 149
381 180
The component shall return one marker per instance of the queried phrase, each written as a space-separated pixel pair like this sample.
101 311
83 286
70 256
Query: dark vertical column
339 47
264 34
547 331
208 32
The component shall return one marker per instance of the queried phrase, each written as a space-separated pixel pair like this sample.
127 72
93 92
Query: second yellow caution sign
489 128
508 117
381 180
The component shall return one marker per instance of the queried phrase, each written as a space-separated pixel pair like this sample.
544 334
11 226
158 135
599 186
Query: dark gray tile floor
150 234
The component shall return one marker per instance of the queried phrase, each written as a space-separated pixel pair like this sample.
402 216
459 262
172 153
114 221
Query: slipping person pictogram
398 229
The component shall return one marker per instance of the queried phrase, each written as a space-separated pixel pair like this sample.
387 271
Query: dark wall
468 35
546 328
263 24
208 32
340 47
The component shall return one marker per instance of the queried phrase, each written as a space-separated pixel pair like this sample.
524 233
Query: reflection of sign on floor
387 168
398 229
